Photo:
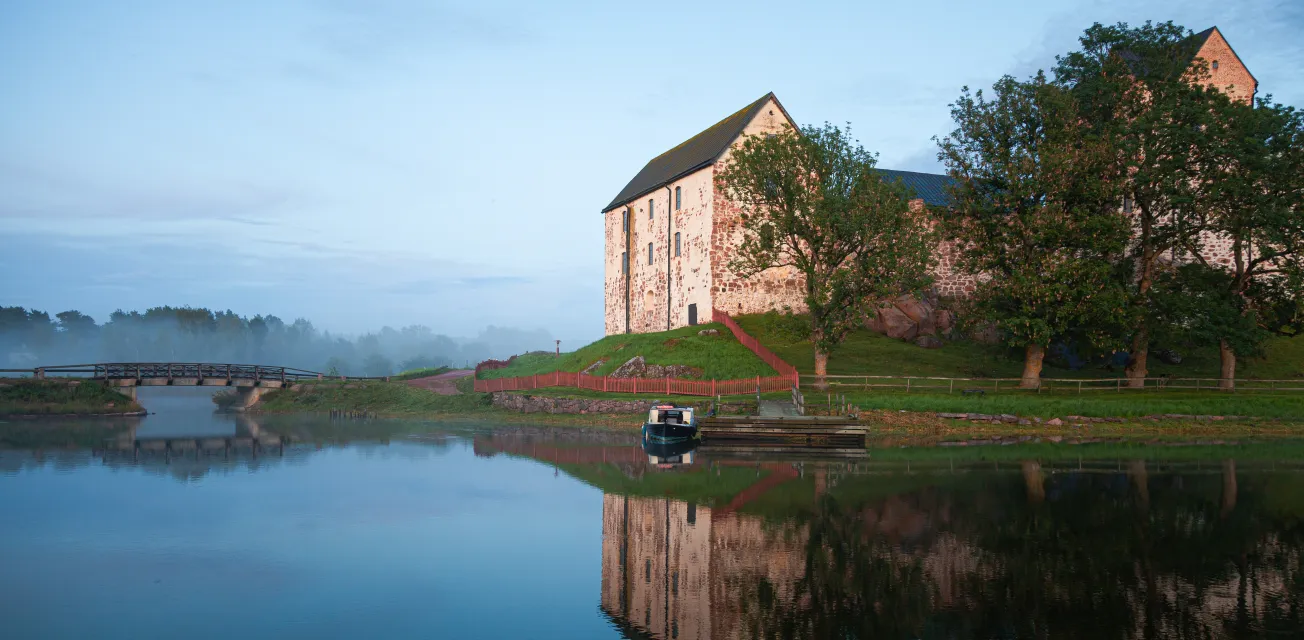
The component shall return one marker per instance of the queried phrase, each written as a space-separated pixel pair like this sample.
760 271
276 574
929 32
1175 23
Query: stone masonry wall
690 275
771 289
1231 76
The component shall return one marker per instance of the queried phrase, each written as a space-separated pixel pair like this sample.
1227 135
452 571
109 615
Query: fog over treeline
30 338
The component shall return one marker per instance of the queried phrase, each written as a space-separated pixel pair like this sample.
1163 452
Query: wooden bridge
249 379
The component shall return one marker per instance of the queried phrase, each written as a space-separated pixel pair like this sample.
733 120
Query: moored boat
668 423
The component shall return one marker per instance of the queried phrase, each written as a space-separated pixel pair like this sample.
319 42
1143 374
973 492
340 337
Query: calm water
400 530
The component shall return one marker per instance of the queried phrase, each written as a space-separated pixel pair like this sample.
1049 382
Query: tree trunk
1227 376
1032 366
1229 487
1136 364
1140 477
1035 481
821 369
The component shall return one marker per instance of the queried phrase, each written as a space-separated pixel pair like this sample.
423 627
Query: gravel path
444 384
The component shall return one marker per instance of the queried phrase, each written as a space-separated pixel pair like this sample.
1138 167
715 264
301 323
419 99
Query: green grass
1286 405
867 353
1092 454
25 396
711 487
387 398
720 356
413 374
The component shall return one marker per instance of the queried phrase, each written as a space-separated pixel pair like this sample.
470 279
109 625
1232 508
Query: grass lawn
387 398
1099 403
868 353
700 484
720 356
412 374
26 396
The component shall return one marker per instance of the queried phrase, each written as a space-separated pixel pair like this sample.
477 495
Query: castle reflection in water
668 566
674 569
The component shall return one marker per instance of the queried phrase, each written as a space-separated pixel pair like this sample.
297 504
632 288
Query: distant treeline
30 338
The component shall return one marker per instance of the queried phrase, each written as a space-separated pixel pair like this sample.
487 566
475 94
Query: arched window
676 244
650 204
649 253
677 201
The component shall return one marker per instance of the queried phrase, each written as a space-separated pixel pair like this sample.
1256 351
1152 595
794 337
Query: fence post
667 384
604 383
713 386
951 389
907 385
1079 387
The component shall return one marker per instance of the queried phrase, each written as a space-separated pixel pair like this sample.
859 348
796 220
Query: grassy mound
719 357
413 374
51 397
869 353
384 398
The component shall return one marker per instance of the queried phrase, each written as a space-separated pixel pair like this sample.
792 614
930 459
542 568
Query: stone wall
772 289
547 404
1231 76
690 275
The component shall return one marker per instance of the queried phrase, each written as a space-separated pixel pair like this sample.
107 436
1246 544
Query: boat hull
660 432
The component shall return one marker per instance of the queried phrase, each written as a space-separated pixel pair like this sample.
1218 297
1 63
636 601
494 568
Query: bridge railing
174 370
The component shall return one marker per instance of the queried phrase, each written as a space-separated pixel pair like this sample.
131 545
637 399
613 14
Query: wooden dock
799 431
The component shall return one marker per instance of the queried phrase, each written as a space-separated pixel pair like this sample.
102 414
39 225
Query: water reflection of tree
855 586
1129 554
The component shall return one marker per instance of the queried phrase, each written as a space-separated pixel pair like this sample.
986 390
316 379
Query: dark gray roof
1189 49
691 155
930 187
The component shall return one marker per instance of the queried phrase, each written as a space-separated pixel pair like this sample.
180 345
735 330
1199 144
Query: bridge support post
249 396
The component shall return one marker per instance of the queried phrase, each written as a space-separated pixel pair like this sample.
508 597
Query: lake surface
386 529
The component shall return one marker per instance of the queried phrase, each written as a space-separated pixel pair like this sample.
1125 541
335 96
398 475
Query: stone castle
670 234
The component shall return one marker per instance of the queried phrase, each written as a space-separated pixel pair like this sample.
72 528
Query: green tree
1256 204
1034 212
1140 88
813 200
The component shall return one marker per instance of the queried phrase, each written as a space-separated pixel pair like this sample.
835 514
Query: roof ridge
696 152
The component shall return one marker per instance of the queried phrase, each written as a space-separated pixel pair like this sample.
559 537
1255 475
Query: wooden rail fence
787 378
1079 385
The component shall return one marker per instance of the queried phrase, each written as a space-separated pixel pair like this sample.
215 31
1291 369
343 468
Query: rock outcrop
637 367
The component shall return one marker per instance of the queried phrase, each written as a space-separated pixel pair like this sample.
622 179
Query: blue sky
372 162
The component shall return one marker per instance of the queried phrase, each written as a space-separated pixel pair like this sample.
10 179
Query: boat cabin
666 414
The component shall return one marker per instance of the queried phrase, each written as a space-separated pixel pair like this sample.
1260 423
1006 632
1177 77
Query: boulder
709 332
1054 422
873 322
896 324
920 312
945 321
928 342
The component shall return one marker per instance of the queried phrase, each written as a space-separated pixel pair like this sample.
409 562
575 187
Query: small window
674 583
649 253
676 244
677 200
1127 204
1215 65
624 221
624 262
647 571
650 204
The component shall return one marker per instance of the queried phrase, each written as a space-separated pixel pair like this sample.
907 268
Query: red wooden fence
786 379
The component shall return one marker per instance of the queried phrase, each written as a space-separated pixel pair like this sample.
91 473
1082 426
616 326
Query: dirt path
444 384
